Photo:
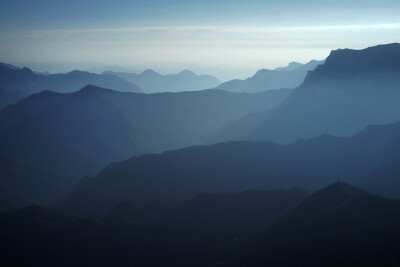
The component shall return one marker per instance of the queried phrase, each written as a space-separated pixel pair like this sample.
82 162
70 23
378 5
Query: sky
229 39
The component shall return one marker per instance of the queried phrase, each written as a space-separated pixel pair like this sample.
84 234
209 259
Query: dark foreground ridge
337 225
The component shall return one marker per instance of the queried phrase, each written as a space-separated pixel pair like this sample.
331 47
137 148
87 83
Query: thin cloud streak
234 29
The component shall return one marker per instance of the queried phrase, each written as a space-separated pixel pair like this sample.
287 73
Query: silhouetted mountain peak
79 73
150 72
187 73
338 191
261 73
43 93
348 63
26 70
93 89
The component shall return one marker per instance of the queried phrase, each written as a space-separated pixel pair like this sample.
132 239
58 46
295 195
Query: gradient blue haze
208 36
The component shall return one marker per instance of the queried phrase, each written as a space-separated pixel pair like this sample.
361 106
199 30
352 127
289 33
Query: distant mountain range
351 90
287 77
94 127
44 73
80 133
236 166
152 82
24 81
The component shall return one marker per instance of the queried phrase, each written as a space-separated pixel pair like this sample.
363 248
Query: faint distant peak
187 73
150 72
292 66
261 73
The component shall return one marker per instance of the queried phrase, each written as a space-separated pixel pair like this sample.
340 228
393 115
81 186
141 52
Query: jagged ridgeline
239 175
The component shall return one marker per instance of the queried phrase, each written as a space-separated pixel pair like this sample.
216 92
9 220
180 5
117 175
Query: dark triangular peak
319 203
333 195
26 70
349 63
90 89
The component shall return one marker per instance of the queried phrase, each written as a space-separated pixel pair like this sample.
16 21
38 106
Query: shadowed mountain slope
25 184
224 216
8 97
236 166
351 90
339 225
94 127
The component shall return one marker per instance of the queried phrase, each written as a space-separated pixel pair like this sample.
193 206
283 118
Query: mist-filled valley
160 160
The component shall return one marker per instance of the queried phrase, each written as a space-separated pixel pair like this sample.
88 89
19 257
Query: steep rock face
351 90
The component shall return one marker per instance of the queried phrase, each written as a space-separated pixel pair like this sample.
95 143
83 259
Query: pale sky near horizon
224 38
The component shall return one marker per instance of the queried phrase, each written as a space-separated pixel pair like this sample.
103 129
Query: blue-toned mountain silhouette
152 82
25 81
236 166
351 90
82 132
287 77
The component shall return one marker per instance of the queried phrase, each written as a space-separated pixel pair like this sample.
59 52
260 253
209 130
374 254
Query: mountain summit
351 90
